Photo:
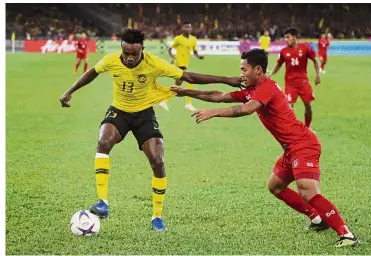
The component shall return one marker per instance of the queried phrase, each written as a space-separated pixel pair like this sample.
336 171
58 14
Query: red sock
77 67
85 67
329 214
296 202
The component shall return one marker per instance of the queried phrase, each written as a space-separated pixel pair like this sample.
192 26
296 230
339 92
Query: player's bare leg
85 65
309 191
308 113
292 198
78 62
108 137
154 150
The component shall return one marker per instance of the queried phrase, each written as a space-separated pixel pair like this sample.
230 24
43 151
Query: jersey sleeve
175 43
101 66
239 95
310 53
164 68
281 58
264 93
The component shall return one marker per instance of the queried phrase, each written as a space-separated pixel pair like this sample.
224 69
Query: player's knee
274 189
105 144
157 163
307 192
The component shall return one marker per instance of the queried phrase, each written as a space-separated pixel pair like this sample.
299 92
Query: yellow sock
102 166
189 99
159 186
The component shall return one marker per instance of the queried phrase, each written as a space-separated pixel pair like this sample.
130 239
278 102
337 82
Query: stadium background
217 201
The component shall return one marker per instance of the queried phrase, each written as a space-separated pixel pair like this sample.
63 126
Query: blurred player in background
134 73
302 149
265 41
183 44
323 45
295 55
81 46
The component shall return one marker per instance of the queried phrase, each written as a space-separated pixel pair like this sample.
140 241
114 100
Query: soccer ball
84 223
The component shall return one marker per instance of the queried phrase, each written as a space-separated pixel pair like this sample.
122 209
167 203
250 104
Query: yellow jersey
135 89
183 47
264 42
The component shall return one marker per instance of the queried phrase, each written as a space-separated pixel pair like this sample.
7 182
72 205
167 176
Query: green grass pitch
217 201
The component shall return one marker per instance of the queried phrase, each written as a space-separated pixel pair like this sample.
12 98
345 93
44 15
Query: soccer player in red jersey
81 46
301 148
323 44
296 56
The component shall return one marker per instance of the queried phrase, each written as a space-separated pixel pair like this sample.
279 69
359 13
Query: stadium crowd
213 21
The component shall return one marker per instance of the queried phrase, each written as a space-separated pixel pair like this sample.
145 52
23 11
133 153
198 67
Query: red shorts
322 57
299 87
302 164
82 56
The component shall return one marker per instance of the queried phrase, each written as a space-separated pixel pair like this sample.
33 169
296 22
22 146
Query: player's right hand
65 99
180 92
235 81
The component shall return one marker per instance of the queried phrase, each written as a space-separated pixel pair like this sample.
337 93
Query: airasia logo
53 46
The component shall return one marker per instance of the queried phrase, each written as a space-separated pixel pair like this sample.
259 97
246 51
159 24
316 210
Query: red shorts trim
303 164
299 87
82 56
323 57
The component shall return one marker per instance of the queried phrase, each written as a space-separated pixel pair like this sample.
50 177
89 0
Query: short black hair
256 57
293 31
133 36
186 22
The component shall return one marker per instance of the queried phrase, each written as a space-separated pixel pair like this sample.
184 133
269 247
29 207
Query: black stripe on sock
105 171
159 191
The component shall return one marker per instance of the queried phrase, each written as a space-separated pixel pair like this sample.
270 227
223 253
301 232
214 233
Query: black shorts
143 124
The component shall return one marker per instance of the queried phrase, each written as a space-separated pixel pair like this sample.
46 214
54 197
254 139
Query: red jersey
296 60
323 44
82 45
277 115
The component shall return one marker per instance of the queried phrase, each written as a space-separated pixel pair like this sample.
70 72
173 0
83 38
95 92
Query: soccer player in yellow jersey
183 44
134 74
265 41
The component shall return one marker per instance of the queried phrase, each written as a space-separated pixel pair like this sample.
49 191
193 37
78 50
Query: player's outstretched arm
236 111
85 79
275 70
195 78
210 96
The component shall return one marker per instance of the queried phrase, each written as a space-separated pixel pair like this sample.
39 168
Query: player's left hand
317 80
203 115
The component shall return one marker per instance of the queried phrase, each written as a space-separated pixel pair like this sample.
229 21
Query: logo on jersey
288 54
142 78
300 53
295 163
